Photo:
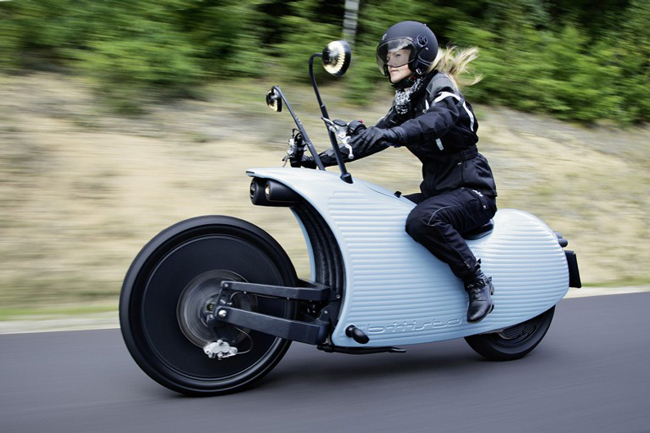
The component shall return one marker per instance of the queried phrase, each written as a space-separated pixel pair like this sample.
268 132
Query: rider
432 119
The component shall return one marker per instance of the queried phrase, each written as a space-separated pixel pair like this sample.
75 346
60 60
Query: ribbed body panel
397 292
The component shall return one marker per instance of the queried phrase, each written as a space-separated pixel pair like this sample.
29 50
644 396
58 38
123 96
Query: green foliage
581 86
28 29
127 69
557 70
9 38
633 59
567 58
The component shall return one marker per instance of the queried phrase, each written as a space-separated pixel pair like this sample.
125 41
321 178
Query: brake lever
294 150
340 131
290 152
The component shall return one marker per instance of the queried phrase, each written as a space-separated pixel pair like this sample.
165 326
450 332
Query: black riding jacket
440 129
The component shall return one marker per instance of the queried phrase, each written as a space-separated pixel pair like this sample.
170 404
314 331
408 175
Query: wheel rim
174 272
519 335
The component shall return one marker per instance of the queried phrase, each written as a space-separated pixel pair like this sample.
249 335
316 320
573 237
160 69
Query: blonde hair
455 64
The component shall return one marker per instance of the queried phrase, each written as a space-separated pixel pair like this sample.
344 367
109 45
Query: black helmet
411 35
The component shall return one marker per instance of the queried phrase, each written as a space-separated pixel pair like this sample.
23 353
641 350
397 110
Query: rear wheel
513 342
175 283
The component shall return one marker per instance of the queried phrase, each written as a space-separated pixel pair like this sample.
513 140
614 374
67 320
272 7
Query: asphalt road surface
590 374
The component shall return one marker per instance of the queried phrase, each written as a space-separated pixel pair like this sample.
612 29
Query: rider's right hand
327 157
356 127
373 137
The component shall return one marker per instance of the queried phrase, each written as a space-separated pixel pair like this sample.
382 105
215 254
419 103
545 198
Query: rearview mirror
336 57
274 101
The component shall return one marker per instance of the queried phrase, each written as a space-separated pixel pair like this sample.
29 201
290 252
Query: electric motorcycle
211 304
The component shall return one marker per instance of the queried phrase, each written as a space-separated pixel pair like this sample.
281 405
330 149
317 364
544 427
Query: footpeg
219 350
356 334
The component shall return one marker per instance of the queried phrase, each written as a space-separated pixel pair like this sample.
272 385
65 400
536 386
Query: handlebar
342 132
337 130
345 176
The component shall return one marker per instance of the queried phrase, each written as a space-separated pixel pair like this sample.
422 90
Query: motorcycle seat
479 232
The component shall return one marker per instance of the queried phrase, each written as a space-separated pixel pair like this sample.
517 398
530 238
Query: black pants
437 223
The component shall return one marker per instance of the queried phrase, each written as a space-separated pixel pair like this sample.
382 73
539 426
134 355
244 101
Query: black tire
513 342
175 271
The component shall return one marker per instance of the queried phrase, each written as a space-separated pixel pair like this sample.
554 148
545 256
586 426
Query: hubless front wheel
174 284
513 342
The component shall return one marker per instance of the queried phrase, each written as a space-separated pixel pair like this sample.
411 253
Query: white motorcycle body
396 291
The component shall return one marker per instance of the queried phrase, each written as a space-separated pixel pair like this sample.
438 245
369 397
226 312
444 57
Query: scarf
403 96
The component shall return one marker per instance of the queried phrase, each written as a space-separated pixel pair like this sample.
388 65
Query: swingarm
315 304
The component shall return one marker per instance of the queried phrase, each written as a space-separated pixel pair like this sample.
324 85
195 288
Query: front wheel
175 283
513 342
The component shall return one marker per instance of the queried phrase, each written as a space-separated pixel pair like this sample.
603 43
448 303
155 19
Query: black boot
480 300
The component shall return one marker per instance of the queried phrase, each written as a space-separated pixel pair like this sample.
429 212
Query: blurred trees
577 59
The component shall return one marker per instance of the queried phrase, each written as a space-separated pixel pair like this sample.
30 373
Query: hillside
81 190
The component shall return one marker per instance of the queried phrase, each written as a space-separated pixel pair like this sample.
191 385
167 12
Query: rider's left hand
373 135
305 161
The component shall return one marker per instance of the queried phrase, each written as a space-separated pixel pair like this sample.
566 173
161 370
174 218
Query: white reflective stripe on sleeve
471 117
426 105
444 95
439 143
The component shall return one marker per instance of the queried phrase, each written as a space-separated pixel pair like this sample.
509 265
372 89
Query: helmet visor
395 53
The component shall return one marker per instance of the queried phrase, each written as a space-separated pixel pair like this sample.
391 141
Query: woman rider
431 118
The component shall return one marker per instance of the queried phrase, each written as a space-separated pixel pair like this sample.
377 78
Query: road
590 374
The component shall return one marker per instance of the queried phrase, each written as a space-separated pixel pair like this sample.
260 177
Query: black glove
374 136
304 161
356 127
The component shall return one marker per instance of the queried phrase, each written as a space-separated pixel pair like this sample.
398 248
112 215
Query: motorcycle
211 304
